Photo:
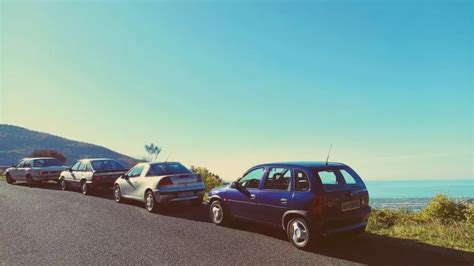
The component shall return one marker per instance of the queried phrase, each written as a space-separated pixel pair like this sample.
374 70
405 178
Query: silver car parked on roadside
32 170
158 183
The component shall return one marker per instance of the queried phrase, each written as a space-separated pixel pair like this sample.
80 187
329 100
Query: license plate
350 205
185 194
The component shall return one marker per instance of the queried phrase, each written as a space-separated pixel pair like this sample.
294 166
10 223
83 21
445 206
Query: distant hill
17 142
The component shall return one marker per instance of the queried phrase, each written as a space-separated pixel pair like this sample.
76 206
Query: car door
87 172
76 174
129 187
24 170
15 172
241 200
272 199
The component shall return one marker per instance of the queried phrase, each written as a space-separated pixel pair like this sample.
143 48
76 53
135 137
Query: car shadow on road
367 249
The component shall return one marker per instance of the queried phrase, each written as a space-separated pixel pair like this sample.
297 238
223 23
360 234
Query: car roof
37 158
96 159
302 164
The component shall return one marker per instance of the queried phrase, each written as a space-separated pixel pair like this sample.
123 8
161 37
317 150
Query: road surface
44 225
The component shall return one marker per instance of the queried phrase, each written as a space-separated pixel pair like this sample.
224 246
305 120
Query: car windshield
46 162
334 179
106 165
159 169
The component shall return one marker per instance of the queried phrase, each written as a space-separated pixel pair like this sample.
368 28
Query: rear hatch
107 176
343 193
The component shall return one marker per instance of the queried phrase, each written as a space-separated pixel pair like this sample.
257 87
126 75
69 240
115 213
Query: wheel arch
288 215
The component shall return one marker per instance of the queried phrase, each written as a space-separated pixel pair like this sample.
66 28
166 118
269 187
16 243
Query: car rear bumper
45 178
345 222
164 197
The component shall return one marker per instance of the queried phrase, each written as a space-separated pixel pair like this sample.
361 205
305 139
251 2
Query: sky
230 84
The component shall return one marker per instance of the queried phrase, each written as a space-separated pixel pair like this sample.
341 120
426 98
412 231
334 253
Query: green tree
49 153
152 152
210 179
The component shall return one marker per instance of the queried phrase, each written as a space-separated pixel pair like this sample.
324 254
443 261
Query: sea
414 195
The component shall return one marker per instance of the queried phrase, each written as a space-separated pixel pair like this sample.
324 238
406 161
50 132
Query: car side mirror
125 177
70 169
235 185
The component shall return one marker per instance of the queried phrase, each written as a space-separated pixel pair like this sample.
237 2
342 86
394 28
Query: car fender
305 214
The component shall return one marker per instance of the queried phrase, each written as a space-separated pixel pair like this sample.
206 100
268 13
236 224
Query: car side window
137 171
27 164
82 167
278 178
20 164
75 166
252 178
88 168
301 181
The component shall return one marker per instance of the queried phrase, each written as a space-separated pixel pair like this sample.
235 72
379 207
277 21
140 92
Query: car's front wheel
150 203
117 194
218 214
299 233
9 179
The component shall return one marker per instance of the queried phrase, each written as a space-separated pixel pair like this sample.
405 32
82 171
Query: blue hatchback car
307 199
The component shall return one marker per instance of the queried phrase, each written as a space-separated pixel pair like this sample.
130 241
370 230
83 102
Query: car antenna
168 157
329 152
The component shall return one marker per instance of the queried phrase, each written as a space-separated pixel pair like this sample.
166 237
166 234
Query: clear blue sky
231 84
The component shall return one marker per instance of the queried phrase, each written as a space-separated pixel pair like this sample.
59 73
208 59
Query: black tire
218 213
118 194
64 185
9 179
299 233
150 203
29 181
86 189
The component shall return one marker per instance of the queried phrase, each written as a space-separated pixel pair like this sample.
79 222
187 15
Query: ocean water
415 194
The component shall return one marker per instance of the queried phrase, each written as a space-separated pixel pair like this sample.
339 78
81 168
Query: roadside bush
470 214
210 179
49 153
445 210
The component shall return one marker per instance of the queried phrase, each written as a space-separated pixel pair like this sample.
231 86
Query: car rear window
159 169
334 179
46 162
106 165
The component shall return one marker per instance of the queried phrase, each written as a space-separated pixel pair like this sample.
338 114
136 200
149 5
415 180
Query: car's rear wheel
150 203
9 179
299 233
29 181
218 214
64 185
118 194
85 188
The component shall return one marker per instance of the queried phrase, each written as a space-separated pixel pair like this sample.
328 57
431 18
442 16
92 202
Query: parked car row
306 199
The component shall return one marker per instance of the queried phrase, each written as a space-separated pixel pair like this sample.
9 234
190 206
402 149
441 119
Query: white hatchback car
156 183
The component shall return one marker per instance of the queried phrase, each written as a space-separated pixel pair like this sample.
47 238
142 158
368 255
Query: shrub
49 153
445 210
470 214
210 179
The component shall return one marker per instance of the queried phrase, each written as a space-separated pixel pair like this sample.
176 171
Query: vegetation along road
44 225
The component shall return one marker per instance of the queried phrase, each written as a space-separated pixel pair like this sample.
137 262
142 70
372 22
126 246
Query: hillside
17 142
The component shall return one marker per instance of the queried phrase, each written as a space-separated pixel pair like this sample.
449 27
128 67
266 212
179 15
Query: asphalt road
44 225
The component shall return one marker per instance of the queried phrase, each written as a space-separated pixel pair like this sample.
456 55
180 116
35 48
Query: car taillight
364 201
317 205
166 181
199 178
43 172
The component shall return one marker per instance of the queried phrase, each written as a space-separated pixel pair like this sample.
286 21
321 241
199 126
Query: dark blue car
307 199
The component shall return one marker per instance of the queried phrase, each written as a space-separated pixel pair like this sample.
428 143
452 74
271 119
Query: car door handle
252 196
283 200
